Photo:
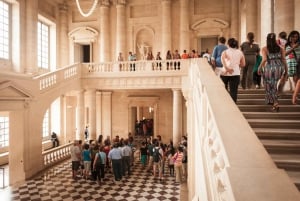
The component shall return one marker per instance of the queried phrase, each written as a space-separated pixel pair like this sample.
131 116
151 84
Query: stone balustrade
56 155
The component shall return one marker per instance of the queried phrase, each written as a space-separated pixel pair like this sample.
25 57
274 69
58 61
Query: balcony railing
56 155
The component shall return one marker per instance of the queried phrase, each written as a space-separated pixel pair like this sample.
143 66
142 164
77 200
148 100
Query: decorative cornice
63 7
104 3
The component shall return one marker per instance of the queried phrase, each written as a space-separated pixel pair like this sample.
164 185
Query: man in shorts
75 157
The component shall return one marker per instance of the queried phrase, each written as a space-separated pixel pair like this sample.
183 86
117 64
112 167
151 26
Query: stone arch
83 35
210 26
143 41
208 30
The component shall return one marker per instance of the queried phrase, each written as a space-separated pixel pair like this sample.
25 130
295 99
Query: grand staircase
278 132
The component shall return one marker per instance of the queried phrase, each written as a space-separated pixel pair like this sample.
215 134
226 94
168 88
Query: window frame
8 58
5 129
41 55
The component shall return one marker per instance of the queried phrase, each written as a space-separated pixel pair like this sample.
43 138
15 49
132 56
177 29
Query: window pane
4 30
43 45
4 132
46 124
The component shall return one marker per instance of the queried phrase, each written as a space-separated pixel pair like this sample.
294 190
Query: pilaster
106 114
120 29
98 113
104 32
63 36
234 21
266 23
177 116
166 27
30 36
184 25
91 112
80 115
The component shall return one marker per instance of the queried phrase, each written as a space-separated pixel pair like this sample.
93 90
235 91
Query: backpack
156 155
99 161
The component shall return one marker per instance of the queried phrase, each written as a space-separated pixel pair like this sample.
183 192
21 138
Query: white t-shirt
231 59
74 151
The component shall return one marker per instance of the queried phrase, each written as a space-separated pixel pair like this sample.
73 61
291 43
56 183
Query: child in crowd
256 74
143 151
282 39
171 162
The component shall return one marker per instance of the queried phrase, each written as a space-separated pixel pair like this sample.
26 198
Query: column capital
120 2
104 3
63 7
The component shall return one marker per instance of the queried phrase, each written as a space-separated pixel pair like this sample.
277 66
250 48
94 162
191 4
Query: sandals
275 107
294 100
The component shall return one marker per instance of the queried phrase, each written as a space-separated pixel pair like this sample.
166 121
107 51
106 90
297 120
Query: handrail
227 160
56 155
52 79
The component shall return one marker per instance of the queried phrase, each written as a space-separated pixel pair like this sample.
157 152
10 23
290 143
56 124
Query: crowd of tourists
92 159
251 67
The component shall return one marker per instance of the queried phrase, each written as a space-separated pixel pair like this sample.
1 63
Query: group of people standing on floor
155 155
92 160
169 56
246 64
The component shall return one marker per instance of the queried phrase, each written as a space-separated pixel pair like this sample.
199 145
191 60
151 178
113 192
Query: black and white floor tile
57 184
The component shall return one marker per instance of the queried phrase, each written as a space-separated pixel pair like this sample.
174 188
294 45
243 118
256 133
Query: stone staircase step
281 146
251 91
281 133
290 162
267 108
271 115
262 96
295 176
259 101
274 123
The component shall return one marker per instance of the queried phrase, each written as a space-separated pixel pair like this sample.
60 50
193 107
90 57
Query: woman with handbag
273 68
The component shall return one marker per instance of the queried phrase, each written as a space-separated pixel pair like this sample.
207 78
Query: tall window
4 30
46 124
43 45
4 131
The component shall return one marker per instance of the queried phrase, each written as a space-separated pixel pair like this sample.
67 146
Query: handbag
285 85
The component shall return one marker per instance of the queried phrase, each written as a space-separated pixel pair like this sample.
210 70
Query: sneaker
257 86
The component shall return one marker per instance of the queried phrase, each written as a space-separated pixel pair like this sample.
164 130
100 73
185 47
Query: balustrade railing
227 162
56 155
138 66
52 79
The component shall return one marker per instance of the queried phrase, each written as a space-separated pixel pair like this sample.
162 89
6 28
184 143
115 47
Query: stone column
91 112
18 145
266 20
177 116
184 26
98 113
104 32
234 18
80 116
284 16
63 127
120 30
63 36
297 14
251 17
166 36
106 114
29 39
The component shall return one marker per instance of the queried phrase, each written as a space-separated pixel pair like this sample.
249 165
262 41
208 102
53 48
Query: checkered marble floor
57 184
